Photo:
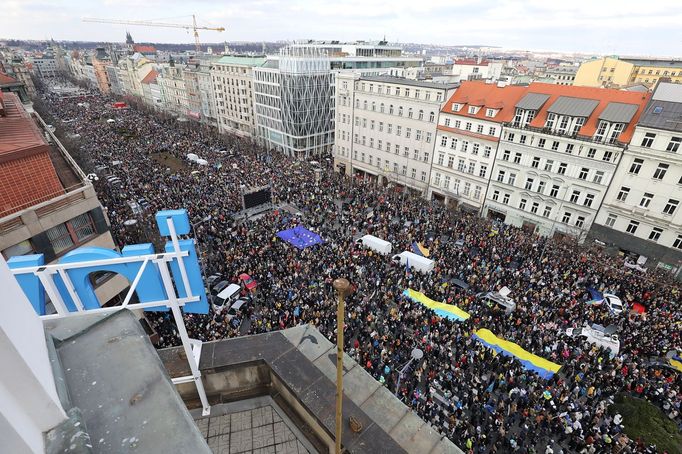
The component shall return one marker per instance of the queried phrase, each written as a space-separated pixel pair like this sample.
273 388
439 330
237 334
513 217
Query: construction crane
145 23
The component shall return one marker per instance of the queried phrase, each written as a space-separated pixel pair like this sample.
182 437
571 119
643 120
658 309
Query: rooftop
471 62
662 63
664 111
18 132
151 77
411 82
6 80
245 60
481 94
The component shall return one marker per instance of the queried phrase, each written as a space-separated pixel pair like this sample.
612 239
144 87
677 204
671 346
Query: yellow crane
146 23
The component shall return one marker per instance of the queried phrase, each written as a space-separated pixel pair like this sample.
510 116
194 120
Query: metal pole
341 286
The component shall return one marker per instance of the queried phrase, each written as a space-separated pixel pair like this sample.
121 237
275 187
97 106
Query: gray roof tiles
573 107
669 116
618 112
532 101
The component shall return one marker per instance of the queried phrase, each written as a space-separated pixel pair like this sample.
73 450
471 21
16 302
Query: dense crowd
484 402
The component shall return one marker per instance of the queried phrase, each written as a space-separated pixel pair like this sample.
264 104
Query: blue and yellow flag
448 311
544 368
419 249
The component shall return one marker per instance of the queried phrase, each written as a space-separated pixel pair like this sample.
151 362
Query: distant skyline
584 26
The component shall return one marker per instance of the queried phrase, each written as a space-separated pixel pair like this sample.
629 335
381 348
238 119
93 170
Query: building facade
386 128
557 156
294 103
641 212
469 130
477 69
233 84
622 72
45 66
173 89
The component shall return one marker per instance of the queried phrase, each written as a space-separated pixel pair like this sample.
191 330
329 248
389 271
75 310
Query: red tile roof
486 96
151 77
471 62
141 48
603 95
6 80
18 132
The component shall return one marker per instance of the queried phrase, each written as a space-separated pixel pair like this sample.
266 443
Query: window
674 144
460 165
446 182
608 155
636 165
432 117
517 158
451 161
551 118
534 207
660 171
415 155
523 138
522 204
436 179
580 221
598 176
611 220
529 184
583 173
472 167
408 132
569 148
398 130
678 242
655 234
423 177
512 179
456 107
409 113
548 165
505 199
441 157
389 128
73 232
479 129
541 143
547 212
371 124
492 131
541 187
648 139
579 122
671 206
489 112
632 227
414 173
453 143
554 191
390 109
382 107
555 145
404 170
400 111
465 146
591 152
473 109
589 199
536 162
421 115
563 124
474 149
467 188
426 156
496 195
601 130
482 171
458 124
505 155
510 136
486 151
380 145
443 141
567 217
623 194
418 135
646 200
468 126
575 196
500 176
428 137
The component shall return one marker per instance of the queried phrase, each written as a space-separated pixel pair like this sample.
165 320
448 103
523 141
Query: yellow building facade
615 72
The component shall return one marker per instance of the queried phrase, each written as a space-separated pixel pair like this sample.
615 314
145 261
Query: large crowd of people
482 401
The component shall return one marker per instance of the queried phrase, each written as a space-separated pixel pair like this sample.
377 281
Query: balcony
549 132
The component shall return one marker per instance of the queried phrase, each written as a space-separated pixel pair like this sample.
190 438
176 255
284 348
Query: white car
604 337
613 304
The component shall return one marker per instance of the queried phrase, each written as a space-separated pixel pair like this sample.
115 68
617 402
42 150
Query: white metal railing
46 274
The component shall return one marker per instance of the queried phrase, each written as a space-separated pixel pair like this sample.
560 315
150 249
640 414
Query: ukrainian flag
544 368
676 362
448 311
419 249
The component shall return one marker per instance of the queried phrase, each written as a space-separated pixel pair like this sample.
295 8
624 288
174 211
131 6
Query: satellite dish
417 354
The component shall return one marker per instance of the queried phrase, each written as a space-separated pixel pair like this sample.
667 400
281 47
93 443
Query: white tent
192 157
202 162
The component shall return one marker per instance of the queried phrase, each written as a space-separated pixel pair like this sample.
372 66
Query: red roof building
27 175
141 48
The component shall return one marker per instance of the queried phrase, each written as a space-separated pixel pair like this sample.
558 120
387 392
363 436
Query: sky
618 27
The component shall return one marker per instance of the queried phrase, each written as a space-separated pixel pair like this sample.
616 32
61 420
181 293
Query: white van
419 263
376 244
226 297
598 337
500 298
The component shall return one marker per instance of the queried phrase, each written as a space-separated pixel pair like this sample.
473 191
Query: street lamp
415 355
342 287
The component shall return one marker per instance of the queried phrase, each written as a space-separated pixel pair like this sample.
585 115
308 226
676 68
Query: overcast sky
623 27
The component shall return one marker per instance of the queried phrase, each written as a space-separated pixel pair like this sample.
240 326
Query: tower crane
193 26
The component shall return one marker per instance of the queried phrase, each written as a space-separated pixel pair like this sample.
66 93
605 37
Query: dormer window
473 110
456 107
490 112
551 118
601 130
579 122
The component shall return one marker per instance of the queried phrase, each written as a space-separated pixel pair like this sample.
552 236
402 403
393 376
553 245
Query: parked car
219 287
226 297
500 298
248 282
596 334
613 304
237 308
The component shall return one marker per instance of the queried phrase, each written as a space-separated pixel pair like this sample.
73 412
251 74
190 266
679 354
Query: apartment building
469 130
386 128
621 72
232 81
47 205
45 65
173 89
641 212
477 69
557 156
